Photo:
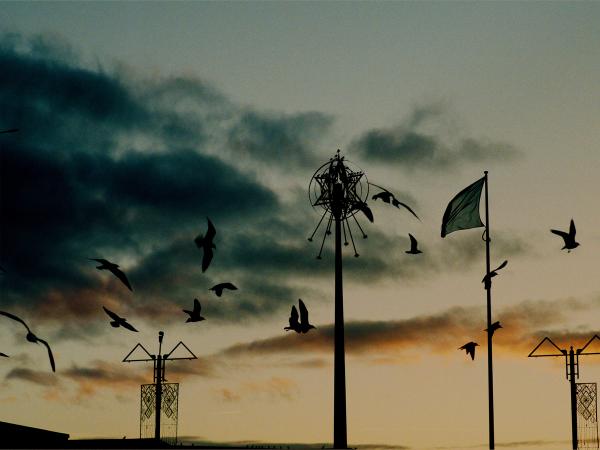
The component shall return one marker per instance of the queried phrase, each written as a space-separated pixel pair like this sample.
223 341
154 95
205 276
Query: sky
139 120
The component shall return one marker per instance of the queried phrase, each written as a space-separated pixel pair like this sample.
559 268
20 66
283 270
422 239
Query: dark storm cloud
278 138
94 173
38 377
113 166
423 141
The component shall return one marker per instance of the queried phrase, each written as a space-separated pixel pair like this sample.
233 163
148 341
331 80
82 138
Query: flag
462 212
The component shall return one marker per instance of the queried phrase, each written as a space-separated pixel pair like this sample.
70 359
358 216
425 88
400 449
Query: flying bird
294 324
114 269
218 288
413 246
494 327
303 326
4 355
206 244
397 203
195 314
469 347
569 237
388 197
385 196
362 206
118 321
487 280
32 337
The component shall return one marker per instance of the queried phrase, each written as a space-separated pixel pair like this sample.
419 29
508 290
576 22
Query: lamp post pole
340 438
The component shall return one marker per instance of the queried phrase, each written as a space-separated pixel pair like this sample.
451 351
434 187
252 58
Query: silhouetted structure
20 436
338 190
462 213
587 415
159 387
572 373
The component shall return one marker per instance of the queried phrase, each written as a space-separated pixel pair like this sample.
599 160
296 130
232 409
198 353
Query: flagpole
489 317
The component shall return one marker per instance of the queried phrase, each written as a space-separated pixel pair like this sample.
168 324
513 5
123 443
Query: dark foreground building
19 436
15 436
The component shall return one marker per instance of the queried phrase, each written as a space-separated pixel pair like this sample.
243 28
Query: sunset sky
139 120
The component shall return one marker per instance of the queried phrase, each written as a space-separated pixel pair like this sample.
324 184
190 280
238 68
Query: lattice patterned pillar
587 415
169 411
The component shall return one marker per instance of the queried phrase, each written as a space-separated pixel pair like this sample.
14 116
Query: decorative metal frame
169 411
164 393
587 412
341 191
572 373
355 192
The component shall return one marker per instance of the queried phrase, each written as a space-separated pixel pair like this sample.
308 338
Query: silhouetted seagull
294 324
195 314
218 288
494 327
32 337
206 244
487 280
118 321
362 206
413 246
387 196
303 326
397 203
569 237
384 195
469 347
114 269
4 355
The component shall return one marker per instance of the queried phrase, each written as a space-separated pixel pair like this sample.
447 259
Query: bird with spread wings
32 337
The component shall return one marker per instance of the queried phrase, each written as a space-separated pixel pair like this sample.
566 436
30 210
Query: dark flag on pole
462 212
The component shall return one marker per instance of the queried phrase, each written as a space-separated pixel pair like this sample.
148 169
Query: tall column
158 397
573 397
489 322
339 376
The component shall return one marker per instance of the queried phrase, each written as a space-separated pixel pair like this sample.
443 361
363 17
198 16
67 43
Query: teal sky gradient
524 74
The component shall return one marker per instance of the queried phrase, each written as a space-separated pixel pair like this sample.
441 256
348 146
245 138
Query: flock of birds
298 321
204 243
